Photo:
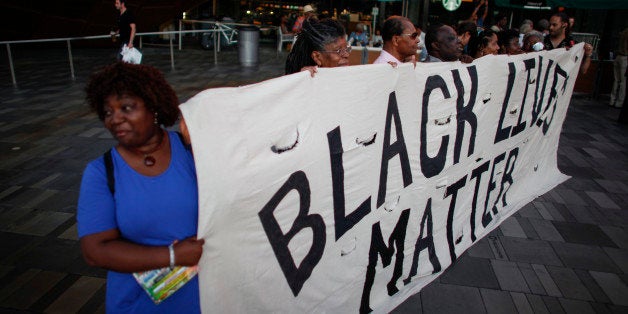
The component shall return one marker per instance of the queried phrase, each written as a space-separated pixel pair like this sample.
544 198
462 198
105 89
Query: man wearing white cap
308 11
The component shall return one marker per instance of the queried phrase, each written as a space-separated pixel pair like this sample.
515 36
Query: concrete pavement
566 252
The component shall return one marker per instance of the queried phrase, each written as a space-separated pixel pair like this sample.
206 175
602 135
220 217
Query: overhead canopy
576 4
74 18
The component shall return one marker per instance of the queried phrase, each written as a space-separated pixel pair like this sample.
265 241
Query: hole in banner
442 121
486 98
350 247
366 141
286 143
390 206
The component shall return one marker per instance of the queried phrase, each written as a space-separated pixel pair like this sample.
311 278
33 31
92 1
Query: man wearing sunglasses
400 41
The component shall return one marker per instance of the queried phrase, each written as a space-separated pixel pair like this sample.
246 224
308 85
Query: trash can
248 41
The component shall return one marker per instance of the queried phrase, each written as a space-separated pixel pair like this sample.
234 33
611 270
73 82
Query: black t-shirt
567 42
124 25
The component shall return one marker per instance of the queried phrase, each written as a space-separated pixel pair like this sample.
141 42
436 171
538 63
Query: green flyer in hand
163 282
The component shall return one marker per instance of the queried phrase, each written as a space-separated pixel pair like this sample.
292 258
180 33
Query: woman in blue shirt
149 218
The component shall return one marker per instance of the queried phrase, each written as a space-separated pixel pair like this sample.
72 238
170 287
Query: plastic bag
131 55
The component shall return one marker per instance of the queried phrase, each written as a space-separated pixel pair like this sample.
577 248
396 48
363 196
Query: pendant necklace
149 160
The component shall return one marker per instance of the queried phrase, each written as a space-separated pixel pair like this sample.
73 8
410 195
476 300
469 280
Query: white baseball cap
308 8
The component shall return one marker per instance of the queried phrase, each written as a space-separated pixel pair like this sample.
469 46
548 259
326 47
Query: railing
217 29
227 30
223 30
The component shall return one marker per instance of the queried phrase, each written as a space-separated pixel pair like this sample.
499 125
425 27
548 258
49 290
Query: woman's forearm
109 251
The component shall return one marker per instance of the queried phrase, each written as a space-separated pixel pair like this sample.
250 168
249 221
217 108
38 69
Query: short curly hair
143 81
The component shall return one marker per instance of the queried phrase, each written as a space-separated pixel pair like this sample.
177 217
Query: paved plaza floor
565 252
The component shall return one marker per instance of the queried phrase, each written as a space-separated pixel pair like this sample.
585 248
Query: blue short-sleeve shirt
146 210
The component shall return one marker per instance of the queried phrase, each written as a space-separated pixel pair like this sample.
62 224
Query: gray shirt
431 58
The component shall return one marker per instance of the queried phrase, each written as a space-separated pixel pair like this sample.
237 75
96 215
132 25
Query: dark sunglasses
413 35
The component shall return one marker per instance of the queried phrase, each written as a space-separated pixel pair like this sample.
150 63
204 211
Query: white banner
352 190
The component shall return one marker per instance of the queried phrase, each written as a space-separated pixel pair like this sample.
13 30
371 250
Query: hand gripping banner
352 190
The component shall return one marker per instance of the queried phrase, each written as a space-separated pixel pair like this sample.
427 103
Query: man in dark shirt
559 38
126 26
443 44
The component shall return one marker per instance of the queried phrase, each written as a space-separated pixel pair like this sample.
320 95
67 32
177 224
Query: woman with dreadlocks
319 44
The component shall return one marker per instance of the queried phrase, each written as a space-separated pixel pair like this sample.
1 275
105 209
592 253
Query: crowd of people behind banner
470 39
137 208
405 41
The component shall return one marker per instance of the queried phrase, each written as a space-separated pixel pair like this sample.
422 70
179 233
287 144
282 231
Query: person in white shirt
400 41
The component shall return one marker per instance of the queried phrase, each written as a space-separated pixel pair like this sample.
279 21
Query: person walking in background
618 93
400 41
126 26
138 203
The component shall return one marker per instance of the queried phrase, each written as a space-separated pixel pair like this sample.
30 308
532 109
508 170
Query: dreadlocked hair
314 36
143 81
